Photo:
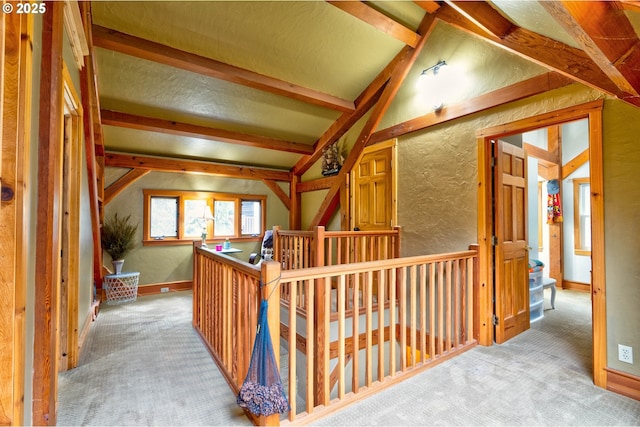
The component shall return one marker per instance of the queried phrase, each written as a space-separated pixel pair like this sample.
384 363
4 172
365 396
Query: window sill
210 242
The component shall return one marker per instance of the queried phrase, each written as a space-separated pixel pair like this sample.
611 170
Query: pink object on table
218 247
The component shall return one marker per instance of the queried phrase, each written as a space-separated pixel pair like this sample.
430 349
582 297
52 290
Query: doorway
373 183
487 222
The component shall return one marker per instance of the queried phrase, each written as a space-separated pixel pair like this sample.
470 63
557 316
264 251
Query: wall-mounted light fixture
438 97
434 68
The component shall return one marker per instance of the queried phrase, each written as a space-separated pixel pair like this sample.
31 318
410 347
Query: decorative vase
117 265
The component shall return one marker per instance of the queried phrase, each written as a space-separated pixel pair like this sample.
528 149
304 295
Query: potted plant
118 237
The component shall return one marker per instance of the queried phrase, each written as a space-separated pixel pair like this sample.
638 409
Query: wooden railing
345 346
295 249
302 249
428 317
226 299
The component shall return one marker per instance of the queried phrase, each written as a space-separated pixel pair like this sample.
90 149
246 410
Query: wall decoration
331 160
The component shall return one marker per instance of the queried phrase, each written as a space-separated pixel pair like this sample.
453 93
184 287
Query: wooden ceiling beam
378 20
484 16
606 35
131 121
530 87
279 192
118 186
364 102
631 5
152 51
429 6
167 164
552 54
391 88
547 158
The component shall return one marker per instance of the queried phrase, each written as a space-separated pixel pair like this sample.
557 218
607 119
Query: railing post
318 246
270 277
319 313
277 244
197 277
396 246
476 291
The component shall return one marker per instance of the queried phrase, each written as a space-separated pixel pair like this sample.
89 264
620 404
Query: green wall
161 264
621 150
437 173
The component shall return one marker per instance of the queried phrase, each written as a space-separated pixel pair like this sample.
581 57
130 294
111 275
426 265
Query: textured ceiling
312 45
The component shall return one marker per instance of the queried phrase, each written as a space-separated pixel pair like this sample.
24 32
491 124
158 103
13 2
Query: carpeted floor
144 365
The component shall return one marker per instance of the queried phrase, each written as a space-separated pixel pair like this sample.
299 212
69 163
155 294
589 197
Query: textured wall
622 230
159 264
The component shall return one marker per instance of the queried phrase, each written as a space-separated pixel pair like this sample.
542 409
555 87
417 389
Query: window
173 217
582 216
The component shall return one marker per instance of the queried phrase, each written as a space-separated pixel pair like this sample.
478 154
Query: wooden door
511 272
373 187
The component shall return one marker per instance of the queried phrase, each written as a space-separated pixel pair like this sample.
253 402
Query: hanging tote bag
262 392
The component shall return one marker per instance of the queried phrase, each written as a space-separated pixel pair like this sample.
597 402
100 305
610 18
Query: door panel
511 256
373 191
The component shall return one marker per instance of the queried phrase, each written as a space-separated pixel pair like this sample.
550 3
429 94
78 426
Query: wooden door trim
71 229
593 112
47 250
16 78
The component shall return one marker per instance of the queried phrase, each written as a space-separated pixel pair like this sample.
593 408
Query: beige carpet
144 365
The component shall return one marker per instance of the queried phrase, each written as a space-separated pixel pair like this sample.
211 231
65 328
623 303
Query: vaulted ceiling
220 86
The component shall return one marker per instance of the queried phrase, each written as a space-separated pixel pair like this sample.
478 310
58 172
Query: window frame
577 235
210 197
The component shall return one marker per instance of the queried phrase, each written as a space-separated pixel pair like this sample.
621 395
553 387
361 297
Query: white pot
117 265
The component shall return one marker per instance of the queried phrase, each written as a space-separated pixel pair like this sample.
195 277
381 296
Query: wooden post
319 313
277 244
396 247
270 274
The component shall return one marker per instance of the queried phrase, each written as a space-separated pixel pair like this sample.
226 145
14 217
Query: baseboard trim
86 327
156 288
623 383
576 286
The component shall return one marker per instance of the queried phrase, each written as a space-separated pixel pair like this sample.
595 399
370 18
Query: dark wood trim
576 286
47 236
378 20
623 383
279 192
92 136
166 164
170 127
557 56
575 163
544 156
156 288
403 67
316 184
524 89
123 182
140 48
606 35
301 341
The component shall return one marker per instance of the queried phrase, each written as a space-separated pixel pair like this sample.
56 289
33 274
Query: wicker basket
121 288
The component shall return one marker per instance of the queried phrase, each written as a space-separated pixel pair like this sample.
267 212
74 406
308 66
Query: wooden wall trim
15 121
623 383
576 286
156 288
123 182
47 251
